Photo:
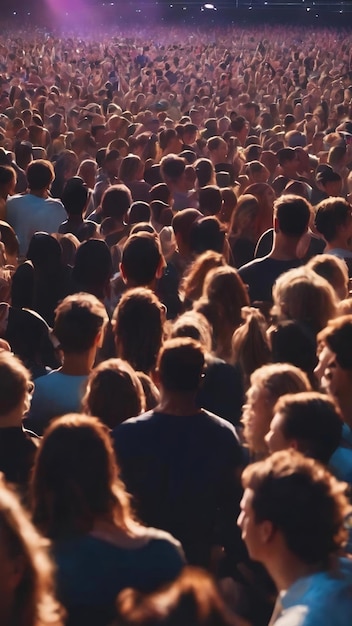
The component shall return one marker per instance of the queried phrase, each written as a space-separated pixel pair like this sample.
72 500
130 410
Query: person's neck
285 569
75 219
78 364
338 242
284 248
174 403
39 193
12 419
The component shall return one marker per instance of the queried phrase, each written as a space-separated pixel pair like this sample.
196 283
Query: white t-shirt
30 214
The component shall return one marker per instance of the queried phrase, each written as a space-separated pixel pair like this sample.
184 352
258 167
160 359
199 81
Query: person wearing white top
35 211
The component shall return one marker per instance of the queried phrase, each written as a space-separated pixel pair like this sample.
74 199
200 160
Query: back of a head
295 343
139 211
302 295
303 502
79 319
172 168
206 233
44 251
183 220
334 270
74 478
180 365
224 289
313 420
114 393
193 280
280 378
195 326
40 174
292 214
160 192
129 167
141 259
210 200
93 265
205 171
138 327
330 214
75 196
116 201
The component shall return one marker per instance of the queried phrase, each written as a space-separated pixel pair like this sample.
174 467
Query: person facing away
180 462
291 219
36 210
79 329
292 519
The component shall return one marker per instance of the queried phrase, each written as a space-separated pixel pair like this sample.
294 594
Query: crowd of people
176 327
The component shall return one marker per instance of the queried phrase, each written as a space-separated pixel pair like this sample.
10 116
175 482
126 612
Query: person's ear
266 531
122 272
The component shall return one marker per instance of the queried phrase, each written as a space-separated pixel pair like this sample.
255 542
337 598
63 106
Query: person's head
245 218
172 170
292 508
15 389
114 393
191 599
79 323
131 168
142 261
160 192
180 366
138 327
210 200
334 270
335 358
288 161
333 219
218 149
115 202
257 172
8 180
45 252
10 241
27 574
182 225
139 211
291 216
302 295
75 479
205 172
229 202
88 171
207 233
329 181
75 196
194 325
93 267
308 422
40 175
267 384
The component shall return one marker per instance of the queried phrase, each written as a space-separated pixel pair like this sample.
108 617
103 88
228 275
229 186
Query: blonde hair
280 378
302 295
333 269
34 600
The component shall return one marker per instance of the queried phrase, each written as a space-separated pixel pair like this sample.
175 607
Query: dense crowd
176 327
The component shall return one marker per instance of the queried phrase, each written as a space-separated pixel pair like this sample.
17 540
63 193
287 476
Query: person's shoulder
253 265
162 536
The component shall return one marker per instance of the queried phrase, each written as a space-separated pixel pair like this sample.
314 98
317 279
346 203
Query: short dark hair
286 155
293 215
210 200
330 214
313 420
116 201
302 500
141 258
40 174
207 234
181 364
75 196
14 382
7 174
78 320
337 335
172 168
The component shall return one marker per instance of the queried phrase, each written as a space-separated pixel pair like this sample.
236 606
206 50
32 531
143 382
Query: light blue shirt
323 599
